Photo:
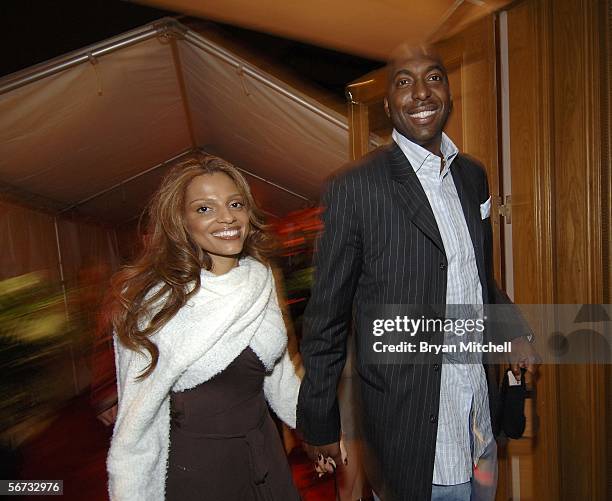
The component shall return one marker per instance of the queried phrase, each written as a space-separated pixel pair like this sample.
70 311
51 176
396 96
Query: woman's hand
327 457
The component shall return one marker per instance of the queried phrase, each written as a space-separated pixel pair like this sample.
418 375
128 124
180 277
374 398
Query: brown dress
224 445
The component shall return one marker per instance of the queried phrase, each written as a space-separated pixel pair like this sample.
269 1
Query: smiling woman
217 218
200 349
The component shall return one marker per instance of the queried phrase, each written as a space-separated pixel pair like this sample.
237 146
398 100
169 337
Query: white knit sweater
228 313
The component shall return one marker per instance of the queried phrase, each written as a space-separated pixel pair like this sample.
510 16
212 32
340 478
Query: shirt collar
417 155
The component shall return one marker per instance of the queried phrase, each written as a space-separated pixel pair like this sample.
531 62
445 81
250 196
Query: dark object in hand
513 407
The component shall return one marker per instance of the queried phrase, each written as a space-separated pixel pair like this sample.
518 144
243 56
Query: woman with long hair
200 349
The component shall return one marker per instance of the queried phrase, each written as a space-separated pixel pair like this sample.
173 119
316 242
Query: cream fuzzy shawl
228 313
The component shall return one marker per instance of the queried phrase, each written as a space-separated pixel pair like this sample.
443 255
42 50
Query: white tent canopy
95 130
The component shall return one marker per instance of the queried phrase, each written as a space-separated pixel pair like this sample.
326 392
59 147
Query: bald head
405 52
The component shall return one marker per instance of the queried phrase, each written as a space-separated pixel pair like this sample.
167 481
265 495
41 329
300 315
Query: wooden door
560 161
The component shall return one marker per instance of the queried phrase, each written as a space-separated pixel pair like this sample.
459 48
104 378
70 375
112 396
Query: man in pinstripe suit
407 224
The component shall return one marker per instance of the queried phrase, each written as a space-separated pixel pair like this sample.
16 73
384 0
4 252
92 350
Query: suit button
433 418
436 367
442 266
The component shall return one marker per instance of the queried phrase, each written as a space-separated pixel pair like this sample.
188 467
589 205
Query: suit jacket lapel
471 211
412 195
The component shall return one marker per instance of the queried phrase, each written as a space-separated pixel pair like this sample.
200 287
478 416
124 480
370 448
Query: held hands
326 457
523 356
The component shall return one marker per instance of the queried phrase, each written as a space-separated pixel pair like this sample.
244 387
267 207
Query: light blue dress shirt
464 423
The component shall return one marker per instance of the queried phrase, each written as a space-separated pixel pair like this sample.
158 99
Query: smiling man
418 99
408 224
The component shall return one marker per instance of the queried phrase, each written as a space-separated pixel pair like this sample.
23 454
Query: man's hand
523 356
326 457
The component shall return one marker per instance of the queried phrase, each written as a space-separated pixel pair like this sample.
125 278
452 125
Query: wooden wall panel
359 130
555 55
529 95
578 216
606 58
455 125
524 120
28 242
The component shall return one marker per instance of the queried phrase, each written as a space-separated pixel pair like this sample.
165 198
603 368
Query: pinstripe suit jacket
381 245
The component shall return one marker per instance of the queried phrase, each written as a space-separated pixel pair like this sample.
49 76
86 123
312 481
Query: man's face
418 98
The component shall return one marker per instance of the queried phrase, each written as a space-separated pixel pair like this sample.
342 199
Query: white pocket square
485 209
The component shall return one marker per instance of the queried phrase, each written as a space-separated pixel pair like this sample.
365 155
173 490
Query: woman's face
216 218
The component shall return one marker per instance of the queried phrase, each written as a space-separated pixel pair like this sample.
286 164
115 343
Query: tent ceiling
370 28
97 136
82 130
252 124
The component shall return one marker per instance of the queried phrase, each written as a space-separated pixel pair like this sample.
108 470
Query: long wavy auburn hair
171 261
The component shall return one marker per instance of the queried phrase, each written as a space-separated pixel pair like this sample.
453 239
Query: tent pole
75 380
185 153
67 61
272 183
263 179
132 178
178 67
229 58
